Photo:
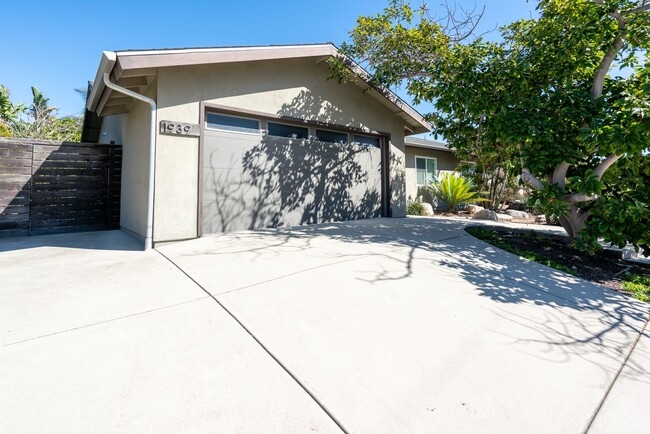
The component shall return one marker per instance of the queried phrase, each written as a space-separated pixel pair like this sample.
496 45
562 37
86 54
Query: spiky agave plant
454 190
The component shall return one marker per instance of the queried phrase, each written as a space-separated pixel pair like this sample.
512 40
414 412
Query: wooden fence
55 187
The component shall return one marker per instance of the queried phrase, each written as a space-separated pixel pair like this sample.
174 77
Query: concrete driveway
386 325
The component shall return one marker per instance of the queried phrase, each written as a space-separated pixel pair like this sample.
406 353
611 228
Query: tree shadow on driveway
575 319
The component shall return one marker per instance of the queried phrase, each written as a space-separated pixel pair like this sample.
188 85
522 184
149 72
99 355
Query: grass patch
497 241
637 285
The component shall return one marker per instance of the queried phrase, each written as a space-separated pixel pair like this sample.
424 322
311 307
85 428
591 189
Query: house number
179 128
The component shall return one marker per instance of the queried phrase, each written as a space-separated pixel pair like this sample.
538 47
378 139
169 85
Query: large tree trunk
574 221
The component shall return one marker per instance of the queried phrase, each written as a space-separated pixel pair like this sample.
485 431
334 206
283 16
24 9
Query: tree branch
606 164
526 175
559 175
643 7
579 197
612 52
531 179
605 64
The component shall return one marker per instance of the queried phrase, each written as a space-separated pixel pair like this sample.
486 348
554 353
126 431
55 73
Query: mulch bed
603 268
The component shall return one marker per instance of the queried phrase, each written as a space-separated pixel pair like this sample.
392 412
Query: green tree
543 95
42 122
9 112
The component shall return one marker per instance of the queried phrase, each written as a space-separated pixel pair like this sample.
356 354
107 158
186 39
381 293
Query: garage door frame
205 107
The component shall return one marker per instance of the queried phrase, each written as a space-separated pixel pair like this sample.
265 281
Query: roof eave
106 64
122 63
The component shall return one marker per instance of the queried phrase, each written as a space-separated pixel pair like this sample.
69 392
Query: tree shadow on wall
265 181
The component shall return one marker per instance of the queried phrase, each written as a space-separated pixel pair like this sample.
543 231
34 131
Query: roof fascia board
151 59
105 65
160 59
423 146
122 63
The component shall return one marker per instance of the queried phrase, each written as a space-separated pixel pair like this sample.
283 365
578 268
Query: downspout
148 240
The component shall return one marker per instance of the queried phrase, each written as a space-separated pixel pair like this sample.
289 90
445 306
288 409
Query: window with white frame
426 169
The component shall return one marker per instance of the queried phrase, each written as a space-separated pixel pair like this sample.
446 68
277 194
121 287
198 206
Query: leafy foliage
415 208
541 98
9 112
638 285
454 191
39 121
621 214
5 131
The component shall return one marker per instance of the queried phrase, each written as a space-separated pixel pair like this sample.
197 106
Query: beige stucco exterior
447 162
298 88
132 130
291 87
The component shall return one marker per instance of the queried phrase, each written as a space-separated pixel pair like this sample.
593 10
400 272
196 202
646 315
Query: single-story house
225 139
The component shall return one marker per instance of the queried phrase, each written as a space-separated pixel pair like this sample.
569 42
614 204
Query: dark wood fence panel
53 187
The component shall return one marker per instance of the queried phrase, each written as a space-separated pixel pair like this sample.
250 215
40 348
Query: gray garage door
254 180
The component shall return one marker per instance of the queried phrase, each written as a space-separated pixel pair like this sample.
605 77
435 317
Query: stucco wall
135 165
297 88
446 162
113 129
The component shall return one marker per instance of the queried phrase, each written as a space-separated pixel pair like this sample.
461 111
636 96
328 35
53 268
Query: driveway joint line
252 285
259 342
103 322
616 377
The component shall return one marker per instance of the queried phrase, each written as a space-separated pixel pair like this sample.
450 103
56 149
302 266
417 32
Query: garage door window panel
238 124
286 130
369 141
332 136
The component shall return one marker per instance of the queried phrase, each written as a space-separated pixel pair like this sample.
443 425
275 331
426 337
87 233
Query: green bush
638 285
454 191
5 131
415 208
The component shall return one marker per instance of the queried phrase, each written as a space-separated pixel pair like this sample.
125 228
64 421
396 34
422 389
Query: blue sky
56 46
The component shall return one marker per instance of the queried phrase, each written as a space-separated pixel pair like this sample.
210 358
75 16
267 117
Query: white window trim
259 123
416 167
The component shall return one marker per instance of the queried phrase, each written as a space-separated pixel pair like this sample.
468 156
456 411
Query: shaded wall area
51 187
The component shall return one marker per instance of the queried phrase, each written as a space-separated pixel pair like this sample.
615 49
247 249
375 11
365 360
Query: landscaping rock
486 214
504 217
428 209
540 219
473 209
517 214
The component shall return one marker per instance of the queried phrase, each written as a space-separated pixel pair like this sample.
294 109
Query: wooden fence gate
51 187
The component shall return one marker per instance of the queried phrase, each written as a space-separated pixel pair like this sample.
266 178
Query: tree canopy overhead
544 94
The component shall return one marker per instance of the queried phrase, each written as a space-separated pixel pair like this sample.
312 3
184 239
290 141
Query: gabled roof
135 69
428 144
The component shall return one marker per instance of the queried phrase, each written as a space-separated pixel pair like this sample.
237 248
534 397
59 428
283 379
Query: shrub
454 191
5 131
638 285
415 208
